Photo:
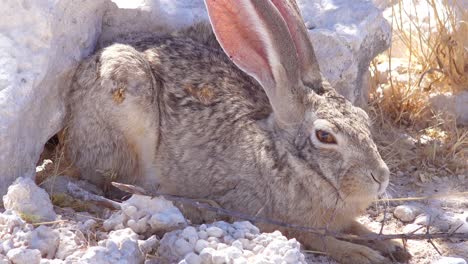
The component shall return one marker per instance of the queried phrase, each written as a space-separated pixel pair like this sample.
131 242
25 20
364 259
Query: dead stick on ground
436 196
49 223
255 219
79 193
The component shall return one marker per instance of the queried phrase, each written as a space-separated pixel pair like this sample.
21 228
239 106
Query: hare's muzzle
381 177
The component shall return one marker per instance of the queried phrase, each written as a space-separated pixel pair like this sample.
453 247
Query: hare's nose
381 176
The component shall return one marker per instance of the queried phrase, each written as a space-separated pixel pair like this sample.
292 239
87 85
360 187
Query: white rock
25 197
120 247
190 234
405 213
46 240
202 234
148 245
220 247
40 43
346 36
147 214
200 245
4 259
207 255
233 252
449 260
116 219
292 256
214 231
152 16
52 261
183 247
68 243
24 256
219 258
9 220
193 258
237 244
454 104
87 225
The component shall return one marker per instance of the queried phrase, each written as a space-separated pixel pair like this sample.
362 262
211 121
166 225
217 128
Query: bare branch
436 196
80 193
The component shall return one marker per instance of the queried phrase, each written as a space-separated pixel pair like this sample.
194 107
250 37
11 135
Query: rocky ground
153 230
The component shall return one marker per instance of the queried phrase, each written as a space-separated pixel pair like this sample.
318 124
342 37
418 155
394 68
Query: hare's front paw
394 250
357 254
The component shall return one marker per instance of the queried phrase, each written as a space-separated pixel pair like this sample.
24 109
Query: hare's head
324 132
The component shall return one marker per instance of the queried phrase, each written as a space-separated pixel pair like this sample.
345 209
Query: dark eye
325 137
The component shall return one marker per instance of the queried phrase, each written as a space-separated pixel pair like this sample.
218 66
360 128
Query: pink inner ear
239 37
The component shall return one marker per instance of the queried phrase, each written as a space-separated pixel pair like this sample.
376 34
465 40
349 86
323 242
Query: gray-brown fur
191 123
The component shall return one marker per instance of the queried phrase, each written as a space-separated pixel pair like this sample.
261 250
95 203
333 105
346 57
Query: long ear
310 71
256 38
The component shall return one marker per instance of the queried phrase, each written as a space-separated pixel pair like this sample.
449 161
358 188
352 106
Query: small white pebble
24 256
248 253
233 252
189 232
200 245
257 248
405 213
183 247
214 231
219 257
192 258
213 244
202 234
221 246
228 239
211 239
246 243
292 256
240 260
206 255
238 234
237 244
449 260
129 210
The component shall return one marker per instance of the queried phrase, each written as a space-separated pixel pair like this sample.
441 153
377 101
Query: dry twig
79 193
435 196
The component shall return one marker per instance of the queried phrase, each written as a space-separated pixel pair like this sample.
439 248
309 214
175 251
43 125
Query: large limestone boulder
346 36
41 42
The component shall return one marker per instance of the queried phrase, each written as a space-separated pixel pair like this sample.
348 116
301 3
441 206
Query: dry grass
436 44
429 55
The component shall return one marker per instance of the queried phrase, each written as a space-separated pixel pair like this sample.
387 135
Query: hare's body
213 134
175 113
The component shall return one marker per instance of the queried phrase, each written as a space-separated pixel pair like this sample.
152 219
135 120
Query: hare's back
200 83
209 112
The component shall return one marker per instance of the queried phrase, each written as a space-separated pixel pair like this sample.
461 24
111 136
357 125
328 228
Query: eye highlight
325 137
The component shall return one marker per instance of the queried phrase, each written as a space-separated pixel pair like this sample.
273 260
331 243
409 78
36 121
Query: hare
238 113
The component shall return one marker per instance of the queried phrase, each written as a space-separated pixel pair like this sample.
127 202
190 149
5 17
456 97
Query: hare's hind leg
112 123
